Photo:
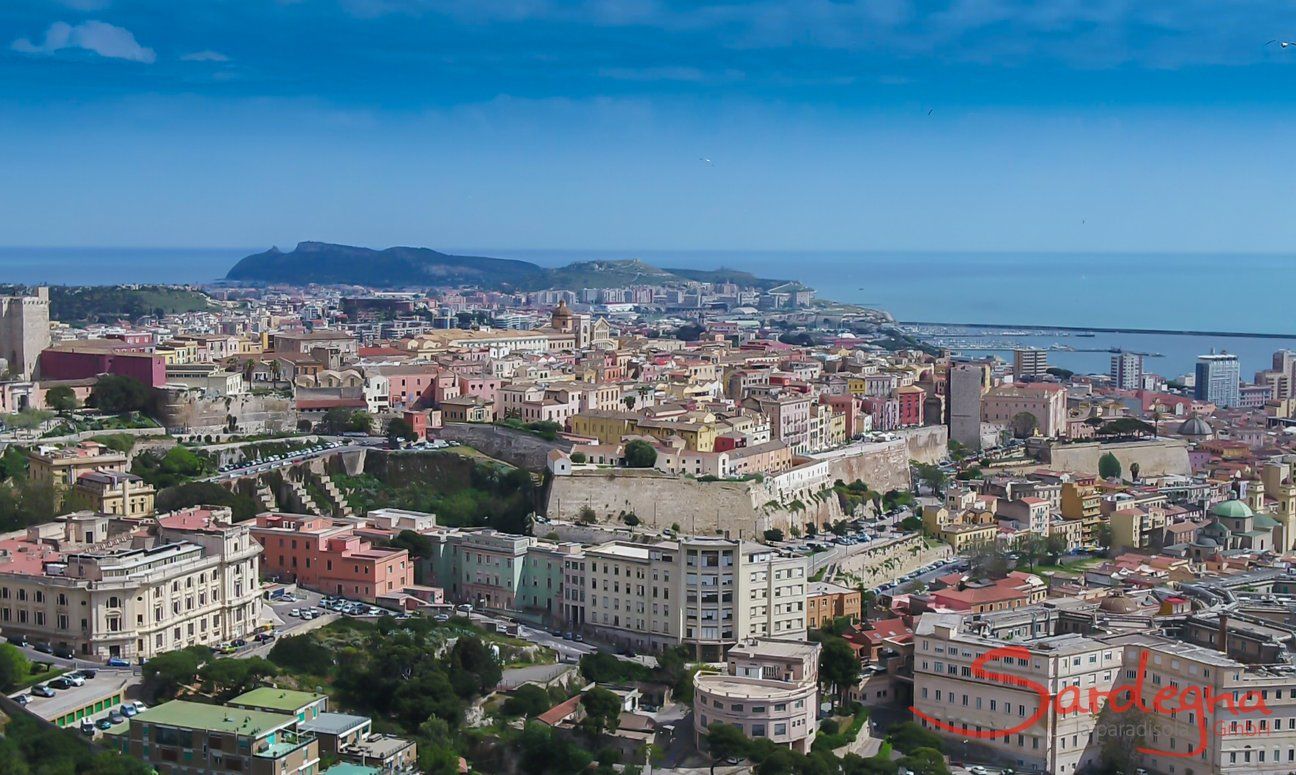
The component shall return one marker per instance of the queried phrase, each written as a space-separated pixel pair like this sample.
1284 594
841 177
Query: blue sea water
1218 292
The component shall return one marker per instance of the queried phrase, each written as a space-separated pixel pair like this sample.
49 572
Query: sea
1022 293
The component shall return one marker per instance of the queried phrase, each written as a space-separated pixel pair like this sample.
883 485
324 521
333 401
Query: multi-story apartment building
91 583
185 738
1030 362
1218 379
770 690
1126 370
707 593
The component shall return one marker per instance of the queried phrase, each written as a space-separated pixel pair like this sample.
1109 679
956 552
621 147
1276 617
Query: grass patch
35 675
828 742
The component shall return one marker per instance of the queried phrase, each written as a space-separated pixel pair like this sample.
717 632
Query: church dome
1233 509
1195 426
1206 542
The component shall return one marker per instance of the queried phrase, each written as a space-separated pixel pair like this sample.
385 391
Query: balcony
286 741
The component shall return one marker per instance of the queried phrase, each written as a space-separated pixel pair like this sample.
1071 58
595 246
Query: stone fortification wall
1155 457
928 444
882 465
518 448
874 564
189 411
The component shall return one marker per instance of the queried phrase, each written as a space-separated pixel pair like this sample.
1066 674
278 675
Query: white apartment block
105 587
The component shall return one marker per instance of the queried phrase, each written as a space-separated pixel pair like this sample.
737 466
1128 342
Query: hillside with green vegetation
102 304
323 263
463 491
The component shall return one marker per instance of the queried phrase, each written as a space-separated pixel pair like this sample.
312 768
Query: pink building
411 387
479 386
911 400
329 557
89 358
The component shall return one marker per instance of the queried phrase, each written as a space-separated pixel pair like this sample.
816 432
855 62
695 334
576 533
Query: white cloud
205 56
101 38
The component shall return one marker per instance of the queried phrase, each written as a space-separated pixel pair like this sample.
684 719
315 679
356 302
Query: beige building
1251 730
770 690
1045 404
116 492
99 586
62 466
706 593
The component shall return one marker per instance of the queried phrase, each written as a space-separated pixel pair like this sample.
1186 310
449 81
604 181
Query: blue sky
1089 125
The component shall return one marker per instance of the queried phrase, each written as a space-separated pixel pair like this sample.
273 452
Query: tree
1134 471
1055 546
911 524
1109 466
925 761
226 678
578 458
166 673
689 332
417 544
987 561
586 515
602 712
61 398
640 454
303 654
117 394
399 429
908 737
471 656
773 534
839 665
725 741
1103 535
177 466
932 475
1121 734
14 667
527 700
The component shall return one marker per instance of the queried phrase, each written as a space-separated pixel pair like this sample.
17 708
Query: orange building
329 557
826 601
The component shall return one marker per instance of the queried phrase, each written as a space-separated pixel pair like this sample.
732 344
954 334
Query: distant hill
323 263
83 304
327 264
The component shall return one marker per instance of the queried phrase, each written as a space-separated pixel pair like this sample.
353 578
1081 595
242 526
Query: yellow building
116 492
1081 502
609 427
62 466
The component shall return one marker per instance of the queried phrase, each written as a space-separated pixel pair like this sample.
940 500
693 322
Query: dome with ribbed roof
1234 509
1195 426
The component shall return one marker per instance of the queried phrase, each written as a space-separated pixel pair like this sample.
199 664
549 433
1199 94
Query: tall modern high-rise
24 331
1127 370
1218 379
968 382
1030 362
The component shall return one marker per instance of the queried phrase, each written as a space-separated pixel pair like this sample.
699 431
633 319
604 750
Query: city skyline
639 124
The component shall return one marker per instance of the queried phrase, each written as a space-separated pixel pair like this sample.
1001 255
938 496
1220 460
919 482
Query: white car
295 612
978 770
76 679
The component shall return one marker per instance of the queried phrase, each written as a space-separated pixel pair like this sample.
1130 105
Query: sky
891 125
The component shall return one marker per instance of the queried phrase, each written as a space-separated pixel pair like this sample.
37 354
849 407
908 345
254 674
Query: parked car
87 728
263 637
76 679
238 643
65 652
44 647
441 618
117 662
129 710
104 723
22 699
17 640
41 690
465 608
139 706
60 683
88 672
116 716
